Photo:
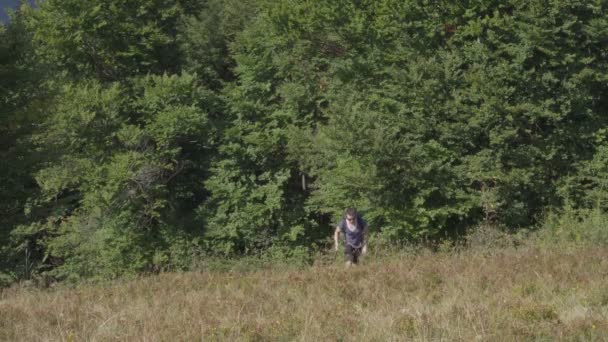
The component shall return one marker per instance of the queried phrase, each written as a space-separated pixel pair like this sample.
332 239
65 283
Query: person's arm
365 236
336 238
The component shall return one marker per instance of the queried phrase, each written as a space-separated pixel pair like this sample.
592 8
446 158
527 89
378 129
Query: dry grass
510 295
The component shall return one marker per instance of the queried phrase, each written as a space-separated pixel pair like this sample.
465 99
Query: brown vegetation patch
525 293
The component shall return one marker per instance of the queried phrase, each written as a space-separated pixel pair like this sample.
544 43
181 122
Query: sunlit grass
507 294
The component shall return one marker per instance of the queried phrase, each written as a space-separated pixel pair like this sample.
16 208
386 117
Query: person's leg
349 255
356 255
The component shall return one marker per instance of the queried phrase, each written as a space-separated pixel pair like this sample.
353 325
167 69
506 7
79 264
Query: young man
355 229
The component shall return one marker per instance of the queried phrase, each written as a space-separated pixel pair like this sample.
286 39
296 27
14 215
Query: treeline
140 135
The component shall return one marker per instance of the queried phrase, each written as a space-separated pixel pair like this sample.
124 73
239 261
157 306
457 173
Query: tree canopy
141 135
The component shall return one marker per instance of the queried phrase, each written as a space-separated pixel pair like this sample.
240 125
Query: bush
577 226
6 279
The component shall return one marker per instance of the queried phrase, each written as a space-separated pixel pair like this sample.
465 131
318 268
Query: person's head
351 215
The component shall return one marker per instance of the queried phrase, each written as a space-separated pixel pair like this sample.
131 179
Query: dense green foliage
144 135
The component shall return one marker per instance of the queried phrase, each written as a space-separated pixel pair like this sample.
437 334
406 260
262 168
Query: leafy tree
414 113
428 117
109 40
21 98
123 174
206 37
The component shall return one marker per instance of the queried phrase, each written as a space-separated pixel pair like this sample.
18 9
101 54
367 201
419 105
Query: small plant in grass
575 226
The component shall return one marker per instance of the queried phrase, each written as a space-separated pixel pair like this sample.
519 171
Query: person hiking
355 229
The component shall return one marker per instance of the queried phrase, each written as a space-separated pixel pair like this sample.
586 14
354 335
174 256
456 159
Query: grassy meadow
475 294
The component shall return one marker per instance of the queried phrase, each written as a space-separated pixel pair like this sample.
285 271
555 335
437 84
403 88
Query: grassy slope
512 294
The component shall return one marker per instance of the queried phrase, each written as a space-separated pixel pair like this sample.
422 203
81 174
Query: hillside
508 295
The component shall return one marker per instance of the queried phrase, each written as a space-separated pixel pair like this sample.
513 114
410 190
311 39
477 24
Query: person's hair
351 212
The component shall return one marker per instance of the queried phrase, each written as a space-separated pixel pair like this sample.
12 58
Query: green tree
205 39
412 112
123 176
104 129
428 117
21 100
109 40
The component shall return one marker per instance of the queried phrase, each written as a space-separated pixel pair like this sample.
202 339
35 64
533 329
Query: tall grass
511 294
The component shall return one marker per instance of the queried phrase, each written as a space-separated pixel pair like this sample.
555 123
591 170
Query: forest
140 136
